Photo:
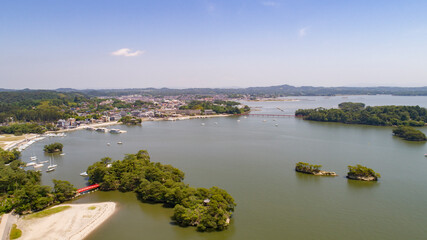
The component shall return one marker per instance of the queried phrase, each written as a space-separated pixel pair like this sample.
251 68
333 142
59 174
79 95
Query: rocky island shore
312 169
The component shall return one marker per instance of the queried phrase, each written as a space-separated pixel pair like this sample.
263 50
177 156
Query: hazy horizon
212 44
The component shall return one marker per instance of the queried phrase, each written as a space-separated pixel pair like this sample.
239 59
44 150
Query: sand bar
74 223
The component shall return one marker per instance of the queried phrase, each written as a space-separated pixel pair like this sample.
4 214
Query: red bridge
88 188
265 115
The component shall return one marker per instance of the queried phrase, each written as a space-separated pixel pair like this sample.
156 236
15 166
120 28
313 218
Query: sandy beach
74 223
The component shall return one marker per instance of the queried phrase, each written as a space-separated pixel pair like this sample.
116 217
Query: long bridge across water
266 115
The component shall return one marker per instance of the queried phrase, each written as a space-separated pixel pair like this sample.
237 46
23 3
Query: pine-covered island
207 209
404 118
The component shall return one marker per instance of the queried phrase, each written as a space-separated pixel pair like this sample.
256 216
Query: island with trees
53 148
357 113
21 190
128 120
409 133
218 106
362 173
206 209
307 168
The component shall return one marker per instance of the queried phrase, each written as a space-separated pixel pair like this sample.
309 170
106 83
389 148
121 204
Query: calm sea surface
254 161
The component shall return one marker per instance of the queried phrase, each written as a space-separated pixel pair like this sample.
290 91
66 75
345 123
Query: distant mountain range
272 91
282 90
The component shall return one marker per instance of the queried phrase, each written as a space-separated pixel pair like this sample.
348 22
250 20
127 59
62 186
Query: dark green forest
21 190
409 133
218 106
153 182
357 113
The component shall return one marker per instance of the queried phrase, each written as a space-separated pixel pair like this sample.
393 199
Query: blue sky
201 43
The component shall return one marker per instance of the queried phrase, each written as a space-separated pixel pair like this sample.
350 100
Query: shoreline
35 137
74 223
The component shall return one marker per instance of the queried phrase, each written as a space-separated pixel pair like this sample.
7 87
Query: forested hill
272 91
35 96
37 105
357 113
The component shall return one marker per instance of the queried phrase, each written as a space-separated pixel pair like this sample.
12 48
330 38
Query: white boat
44 161
119 143
51 166
30 164
33 158
101 130
276 125
203 124
84 174
115 131
108 144
238 120
38 165
62 154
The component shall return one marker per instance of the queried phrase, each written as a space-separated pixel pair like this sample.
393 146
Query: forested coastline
357 113
206 209
21 190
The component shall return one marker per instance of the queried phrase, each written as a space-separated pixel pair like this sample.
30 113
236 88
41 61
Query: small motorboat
203 124
38 165
62 154
119 143
108 144
84 174
30 164
33 158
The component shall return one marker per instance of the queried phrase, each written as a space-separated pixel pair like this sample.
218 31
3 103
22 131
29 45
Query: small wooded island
128 120
362 173
54 147
207 209
409 133
312 169
357 113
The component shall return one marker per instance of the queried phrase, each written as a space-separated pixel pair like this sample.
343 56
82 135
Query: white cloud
126 52
270 4
303 32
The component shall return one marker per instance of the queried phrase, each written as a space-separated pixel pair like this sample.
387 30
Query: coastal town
76 112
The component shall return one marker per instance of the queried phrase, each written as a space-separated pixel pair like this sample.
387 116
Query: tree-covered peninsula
207 209
21 190
409 133
362 173
357 113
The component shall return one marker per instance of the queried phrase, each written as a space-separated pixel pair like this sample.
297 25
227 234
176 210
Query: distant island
207 209
357 113
409 133
362 173
312 169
